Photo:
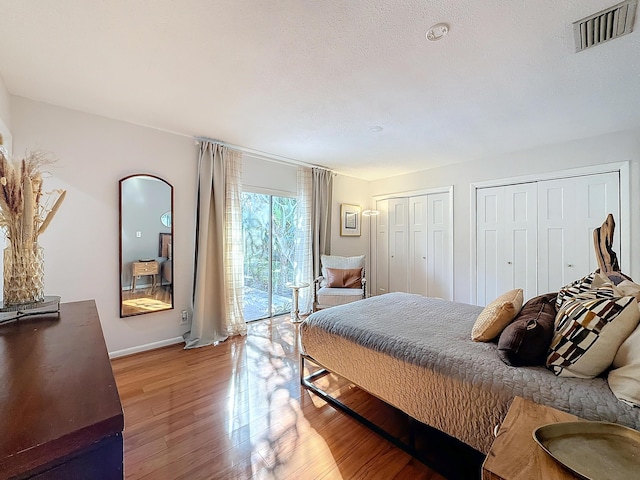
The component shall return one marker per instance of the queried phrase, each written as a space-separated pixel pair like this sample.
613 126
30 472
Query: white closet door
398 244
507 241
569 209
596 197
555 227
418 245
521 238
438 253
490 243
382 248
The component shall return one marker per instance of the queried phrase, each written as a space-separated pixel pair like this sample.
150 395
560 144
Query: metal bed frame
447 455
306 382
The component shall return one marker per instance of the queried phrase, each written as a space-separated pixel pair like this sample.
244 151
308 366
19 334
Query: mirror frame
120 265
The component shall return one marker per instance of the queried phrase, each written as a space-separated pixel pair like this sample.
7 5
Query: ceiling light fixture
375 128
438 31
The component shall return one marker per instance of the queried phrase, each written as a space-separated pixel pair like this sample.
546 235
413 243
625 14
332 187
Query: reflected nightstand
139 269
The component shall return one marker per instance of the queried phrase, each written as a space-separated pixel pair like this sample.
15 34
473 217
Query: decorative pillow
344 278
617 277
497 315
621 288
574 288
526 340
589 332
629 288
624 379
337 261
600 279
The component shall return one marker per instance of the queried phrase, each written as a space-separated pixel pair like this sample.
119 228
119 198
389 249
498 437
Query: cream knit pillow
624 379
496 316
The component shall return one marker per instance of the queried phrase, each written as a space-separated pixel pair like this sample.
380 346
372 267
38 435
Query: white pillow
624 379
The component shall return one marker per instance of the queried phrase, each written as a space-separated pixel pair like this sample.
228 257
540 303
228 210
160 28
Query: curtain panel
303 242
218 272
321 194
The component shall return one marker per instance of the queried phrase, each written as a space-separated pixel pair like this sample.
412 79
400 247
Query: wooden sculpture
602 241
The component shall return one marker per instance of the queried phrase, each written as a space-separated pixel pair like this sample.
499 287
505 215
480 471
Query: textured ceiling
306 79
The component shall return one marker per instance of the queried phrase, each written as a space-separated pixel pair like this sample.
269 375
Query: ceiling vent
605 25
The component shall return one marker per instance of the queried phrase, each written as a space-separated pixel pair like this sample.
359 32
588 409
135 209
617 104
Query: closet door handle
569 265
509 263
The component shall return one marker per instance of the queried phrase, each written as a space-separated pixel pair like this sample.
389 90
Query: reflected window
165 219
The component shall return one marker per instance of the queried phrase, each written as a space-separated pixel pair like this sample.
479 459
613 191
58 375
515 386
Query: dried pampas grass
23 213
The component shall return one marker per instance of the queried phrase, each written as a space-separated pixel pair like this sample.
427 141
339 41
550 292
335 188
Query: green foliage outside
257 223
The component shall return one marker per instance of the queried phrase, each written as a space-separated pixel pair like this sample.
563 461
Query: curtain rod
268 156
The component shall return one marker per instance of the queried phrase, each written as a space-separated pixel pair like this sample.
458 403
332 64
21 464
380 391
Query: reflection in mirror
146 246
166 219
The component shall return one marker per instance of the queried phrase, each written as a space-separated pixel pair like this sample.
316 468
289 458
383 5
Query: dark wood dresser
60 413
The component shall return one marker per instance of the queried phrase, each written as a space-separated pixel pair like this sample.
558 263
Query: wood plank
514 454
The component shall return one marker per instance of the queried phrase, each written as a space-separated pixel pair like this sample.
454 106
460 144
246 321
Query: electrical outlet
184 317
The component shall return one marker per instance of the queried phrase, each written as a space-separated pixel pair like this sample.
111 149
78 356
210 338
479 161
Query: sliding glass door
268 226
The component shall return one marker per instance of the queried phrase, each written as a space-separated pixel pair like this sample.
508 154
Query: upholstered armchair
342 281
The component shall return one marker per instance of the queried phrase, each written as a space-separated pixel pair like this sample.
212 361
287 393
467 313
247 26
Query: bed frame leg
412 432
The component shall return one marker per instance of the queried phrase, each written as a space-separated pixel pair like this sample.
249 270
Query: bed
416 354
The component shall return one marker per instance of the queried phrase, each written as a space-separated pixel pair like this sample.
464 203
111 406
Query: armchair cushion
337 261
330 297
344 277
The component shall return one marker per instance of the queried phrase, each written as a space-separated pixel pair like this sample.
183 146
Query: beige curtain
304 249
218 282
322 187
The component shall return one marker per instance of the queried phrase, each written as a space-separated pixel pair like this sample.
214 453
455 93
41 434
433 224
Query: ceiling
307 79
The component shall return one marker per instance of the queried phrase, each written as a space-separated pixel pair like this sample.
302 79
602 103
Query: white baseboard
146 347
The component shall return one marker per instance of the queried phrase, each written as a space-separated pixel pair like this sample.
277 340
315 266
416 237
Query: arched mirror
146 245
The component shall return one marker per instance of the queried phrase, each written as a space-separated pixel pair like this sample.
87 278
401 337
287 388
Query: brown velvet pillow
526 340
344 278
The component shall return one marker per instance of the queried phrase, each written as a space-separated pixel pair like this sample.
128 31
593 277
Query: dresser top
57 391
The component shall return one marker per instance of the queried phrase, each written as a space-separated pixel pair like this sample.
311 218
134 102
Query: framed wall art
349 220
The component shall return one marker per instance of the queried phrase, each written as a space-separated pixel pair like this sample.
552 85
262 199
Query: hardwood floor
237 411
146 299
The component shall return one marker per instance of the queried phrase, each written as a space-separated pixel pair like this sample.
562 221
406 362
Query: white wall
355 192
5 116
610 148
259 174
81 245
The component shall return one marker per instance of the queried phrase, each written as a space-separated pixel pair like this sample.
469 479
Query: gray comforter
452 383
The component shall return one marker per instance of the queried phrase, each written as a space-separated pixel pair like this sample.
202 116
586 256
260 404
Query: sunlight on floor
287 443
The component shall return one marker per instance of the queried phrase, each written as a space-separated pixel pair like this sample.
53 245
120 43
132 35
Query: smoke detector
437 32
605 25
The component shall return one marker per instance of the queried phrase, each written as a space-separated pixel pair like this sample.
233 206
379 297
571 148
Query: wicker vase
23 274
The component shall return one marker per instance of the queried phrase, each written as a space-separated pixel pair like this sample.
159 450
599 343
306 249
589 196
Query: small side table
295 312
144 268
515 455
